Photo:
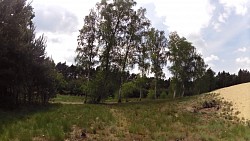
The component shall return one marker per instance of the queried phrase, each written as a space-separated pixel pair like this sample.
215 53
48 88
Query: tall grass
67 98
169 120
146 120
53 123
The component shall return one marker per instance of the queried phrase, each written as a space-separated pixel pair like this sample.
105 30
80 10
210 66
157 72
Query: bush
163 95
128 89
95 89
151 94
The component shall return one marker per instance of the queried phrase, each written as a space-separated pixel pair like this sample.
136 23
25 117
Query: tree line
115 38
132 87
26 73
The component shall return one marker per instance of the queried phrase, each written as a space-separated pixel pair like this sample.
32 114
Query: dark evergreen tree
26 74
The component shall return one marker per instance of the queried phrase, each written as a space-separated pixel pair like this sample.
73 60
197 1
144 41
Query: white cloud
211 58
222 19
78 8
216 26
188 18
227 34
193 19
199 42
243 63
239 6
185 17
243 60
55 19
60 21
243 49
224 16
61 46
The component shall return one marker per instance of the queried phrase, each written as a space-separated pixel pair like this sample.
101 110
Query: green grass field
67 98
147 120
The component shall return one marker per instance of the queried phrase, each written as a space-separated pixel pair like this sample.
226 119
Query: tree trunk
86 97
140 83
140 93
123 70
86 94
174 93
44 99
155 88
120 92
99 98
183 90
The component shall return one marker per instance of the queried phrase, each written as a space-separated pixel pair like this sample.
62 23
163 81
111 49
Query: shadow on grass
148 101
23 112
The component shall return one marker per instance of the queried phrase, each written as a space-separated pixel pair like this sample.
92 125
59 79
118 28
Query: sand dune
239 95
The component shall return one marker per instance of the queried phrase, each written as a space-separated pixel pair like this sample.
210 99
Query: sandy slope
240 97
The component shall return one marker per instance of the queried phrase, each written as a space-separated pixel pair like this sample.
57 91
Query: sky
219 29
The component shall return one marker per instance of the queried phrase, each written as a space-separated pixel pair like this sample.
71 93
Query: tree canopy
26 73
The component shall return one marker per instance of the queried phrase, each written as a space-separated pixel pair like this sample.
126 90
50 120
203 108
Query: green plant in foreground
54 123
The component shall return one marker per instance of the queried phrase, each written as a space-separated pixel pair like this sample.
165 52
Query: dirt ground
239 95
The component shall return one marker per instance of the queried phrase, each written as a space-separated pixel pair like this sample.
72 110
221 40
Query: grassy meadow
68 98
158 120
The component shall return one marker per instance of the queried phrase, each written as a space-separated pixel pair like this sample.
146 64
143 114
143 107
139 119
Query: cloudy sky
219 29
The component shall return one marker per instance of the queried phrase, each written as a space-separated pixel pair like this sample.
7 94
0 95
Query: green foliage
163 95
75 87
60 82
96 88
112 30
151 94
123 37
140 81
87 51
27 74
174 88
67 98
158 53
128 89
187 64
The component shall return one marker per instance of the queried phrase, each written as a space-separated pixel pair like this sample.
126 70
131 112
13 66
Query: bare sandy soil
239 95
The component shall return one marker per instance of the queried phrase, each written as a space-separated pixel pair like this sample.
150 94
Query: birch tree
187 64
87 49
158 54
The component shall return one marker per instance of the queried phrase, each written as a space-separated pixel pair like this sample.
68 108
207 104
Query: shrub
151 94
163 95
